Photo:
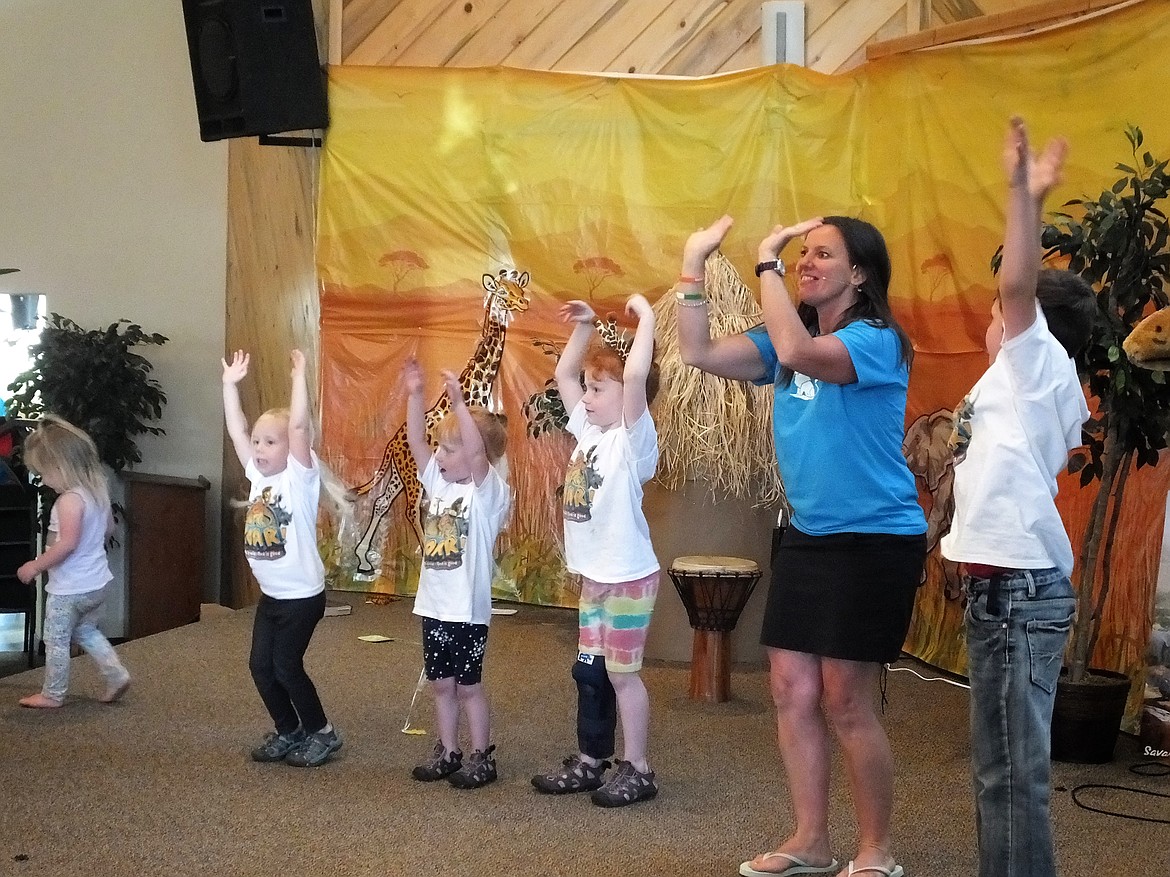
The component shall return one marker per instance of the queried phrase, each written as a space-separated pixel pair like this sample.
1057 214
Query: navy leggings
280 637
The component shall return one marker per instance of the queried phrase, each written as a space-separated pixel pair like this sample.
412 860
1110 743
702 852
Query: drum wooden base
714 590
711 666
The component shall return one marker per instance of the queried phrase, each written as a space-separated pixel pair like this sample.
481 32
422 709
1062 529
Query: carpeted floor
161 783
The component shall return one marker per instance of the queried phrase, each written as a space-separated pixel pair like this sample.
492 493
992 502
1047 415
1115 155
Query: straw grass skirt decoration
711 429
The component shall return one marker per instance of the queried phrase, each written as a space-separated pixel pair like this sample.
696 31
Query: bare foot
115 692
39 702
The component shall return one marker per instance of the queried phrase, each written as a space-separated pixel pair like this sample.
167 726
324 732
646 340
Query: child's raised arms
568 370
638 361
237 425
469 434
300 425
1030 179
416 419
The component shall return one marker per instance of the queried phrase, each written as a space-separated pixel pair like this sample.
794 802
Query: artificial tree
93 379
1117 241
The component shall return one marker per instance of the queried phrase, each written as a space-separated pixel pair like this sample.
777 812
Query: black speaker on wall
255 67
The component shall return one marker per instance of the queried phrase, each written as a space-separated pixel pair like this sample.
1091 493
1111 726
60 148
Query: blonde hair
60 446
493 429
275 414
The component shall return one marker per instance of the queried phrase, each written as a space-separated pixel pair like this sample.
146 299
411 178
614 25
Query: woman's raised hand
703 243
777 240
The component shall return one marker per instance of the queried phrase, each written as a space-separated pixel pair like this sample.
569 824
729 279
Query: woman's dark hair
866 249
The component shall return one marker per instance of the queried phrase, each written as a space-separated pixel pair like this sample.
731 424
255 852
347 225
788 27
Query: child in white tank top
81 520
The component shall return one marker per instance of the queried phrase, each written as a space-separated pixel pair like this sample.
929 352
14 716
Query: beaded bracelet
690 302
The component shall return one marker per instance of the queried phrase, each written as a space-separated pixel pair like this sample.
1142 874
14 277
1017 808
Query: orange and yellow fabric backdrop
434 178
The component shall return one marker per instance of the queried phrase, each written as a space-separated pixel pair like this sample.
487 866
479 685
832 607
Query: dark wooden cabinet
166 540
18 545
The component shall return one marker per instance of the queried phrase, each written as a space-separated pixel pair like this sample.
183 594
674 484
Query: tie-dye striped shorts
614 618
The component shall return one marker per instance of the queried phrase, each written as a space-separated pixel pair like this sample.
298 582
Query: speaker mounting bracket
276 140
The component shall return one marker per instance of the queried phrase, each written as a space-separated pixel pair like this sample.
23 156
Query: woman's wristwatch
770 265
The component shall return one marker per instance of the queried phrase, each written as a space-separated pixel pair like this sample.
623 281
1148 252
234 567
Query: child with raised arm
1013 434
607 542
280 542
67 461
464 508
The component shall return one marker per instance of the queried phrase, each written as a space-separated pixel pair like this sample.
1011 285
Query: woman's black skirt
846 595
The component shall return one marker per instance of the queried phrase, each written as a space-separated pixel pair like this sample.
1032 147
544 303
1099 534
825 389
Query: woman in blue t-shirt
845 574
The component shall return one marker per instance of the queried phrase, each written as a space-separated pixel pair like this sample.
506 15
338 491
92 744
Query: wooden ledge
989 25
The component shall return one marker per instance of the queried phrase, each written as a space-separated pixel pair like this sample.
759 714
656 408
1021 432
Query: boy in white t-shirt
1013 434
465 505
607 541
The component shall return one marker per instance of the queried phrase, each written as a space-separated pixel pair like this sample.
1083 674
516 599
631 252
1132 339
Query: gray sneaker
440 765
626 786
478 770
315 750
276 746
574 775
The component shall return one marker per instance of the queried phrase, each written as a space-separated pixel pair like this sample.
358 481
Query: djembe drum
714 591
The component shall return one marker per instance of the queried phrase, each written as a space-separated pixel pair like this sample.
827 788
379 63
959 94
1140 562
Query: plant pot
1087 716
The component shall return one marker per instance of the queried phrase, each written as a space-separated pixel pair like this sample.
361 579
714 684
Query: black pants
280 637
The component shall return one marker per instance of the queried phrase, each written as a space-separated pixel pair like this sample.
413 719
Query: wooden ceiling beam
989 25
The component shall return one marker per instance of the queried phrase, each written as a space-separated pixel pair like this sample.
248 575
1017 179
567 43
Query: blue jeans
1015 651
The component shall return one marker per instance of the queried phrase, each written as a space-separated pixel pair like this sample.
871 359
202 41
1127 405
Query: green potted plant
1117 241
95 380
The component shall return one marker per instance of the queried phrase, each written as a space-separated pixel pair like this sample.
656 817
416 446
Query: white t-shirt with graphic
460 524
280 530
607 538
1013 433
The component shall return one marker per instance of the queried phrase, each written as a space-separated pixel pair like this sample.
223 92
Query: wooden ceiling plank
397 31
737 24
498 37
662 39
917 15
817 12
358 20
599 48
548 42
335 24
830 46
446 35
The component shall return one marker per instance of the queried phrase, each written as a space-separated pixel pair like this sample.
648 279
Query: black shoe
478 770
276 746
315 750
441 765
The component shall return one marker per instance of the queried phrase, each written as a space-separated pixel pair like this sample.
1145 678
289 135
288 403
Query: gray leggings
73 618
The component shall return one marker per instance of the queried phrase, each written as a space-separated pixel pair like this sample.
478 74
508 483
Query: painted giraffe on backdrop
505 296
